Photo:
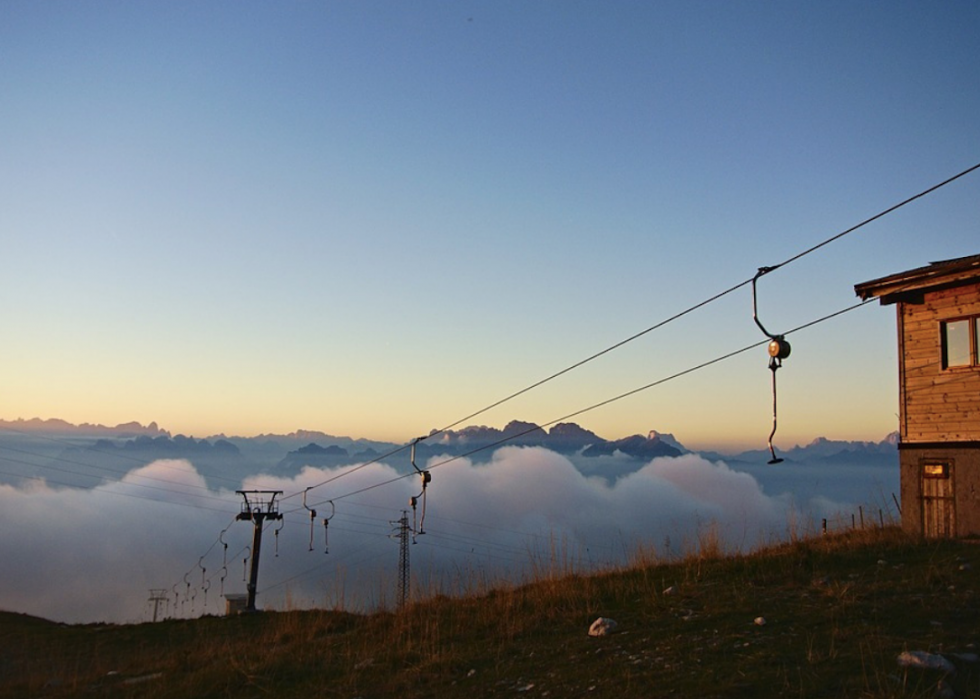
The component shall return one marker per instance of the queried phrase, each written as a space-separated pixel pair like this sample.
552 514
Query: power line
661 324
67 441
503 548
711 299
604 403
881 214
74 486
611 348
113 472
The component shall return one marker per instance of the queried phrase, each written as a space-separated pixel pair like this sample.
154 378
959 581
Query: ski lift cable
604 403
716 297
594 406
676 316
762 271
138 461
74 472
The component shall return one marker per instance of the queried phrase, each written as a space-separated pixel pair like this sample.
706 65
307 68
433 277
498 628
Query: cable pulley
415 499
779 350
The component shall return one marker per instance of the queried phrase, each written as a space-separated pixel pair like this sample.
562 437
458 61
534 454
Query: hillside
838 611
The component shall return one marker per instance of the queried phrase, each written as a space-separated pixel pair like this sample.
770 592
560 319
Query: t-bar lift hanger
312 515
326 525
224 560
414 500
779 350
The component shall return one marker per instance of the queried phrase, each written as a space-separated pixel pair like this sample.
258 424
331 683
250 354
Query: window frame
972 337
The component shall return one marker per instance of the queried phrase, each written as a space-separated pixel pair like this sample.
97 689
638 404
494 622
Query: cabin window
960 340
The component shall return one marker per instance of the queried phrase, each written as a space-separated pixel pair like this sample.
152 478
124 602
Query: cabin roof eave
912 283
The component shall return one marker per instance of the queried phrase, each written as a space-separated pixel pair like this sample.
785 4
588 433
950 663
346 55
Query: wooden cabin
938 312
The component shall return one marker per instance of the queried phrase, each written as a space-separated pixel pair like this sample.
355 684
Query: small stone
925 661
603 627
760 621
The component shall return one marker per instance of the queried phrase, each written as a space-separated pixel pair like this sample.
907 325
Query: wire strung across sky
595 406
656 326
522 391
609 349
600 404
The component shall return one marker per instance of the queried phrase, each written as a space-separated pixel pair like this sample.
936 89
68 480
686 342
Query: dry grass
838 610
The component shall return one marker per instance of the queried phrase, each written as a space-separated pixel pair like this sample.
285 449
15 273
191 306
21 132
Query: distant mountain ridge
564 438
126 429
289 453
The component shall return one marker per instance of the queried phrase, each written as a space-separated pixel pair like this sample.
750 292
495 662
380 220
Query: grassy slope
838 611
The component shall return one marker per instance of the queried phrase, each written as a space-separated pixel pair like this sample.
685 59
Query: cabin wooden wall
938 405
964 486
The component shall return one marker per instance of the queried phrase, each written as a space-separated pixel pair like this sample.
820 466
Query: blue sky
374 218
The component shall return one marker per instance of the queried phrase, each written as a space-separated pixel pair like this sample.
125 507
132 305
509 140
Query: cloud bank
94 555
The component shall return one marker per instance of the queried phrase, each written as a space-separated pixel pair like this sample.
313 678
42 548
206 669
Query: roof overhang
911 286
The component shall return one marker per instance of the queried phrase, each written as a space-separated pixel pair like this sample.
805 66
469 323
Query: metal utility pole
157 596
259 506
404 578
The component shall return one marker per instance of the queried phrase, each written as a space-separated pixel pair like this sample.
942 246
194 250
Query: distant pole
259 506
404 577
157 596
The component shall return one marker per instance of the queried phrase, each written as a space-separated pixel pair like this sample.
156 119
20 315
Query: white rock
760 621
602 627
925 661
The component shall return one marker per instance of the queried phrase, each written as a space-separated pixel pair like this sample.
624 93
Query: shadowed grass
838 610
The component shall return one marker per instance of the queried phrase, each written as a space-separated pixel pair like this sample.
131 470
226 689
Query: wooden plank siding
937 405
939 418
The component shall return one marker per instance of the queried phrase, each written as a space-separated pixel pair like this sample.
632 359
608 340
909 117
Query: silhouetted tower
157 596
259 506
403 534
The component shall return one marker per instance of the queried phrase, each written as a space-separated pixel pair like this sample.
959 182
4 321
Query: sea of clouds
90 555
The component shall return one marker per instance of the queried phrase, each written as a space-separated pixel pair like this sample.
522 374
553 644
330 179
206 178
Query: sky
373 219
